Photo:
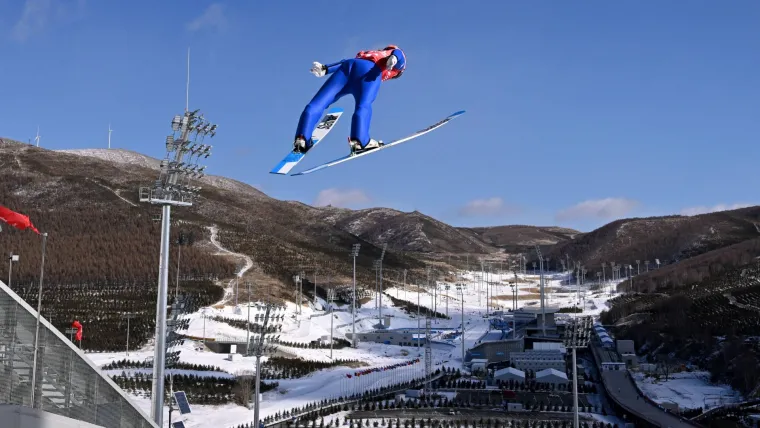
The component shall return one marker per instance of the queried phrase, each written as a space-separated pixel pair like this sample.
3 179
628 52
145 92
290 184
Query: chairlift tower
174 187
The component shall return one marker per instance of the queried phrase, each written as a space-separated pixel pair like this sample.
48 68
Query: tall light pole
638 267
172 188
541 282
577 334
11 258
37 329
380 290
109 135
331 302
460 289
646 263
128 316
354 254
259 349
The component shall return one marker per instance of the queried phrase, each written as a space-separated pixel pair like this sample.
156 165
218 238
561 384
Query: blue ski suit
358 77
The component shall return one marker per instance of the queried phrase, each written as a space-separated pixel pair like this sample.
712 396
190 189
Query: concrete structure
25 417
625 397
495 351
538 360
479 365
625 347
552 376
67 382
509 373
401 337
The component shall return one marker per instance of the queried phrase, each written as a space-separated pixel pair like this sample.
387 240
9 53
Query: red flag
77 325
19 221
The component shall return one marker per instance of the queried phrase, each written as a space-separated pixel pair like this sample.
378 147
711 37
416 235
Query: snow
312 323
689 390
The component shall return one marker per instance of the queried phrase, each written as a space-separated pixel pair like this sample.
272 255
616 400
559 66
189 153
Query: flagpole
37 331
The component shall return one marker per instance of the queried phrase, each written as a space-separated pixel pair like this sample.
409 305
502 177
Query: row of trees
289 368
209 390
179 365
338 343
251 326
505 422
412 308
699 325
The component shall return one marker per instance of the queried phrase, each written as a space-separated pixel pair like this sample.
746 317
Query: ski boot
356 146
300 145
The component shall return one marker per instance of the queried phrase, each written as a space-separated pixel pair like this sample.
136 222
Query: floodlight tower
331 303
172 188
638 267
541 291
657 262
460 289
259 349
646 263
380 306
354 253
577 334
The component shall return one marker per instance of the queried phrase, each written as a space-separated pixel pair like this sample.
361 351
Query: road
622 390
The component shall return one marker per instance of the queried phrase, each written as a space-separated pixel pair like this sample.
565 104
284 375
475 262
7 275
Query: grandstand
67 383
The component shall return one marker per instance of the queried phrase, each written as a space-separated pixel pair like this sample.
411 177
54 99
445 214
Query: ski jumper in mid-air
360 77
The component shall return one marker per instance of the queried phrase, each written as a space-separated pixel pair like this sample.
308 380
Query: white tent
509 373
551 376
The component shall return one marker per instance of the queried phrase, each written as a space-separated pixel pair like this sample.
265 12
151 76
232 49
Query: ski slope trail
228 291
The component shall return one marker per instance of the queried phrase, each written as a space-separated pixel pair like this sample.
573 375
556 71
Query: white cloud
604 209
213 17
485 207
341 198
704 209
39 15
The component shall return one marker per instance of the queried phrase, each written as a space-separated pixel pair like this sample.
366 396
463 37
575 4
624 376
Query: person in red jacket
361 77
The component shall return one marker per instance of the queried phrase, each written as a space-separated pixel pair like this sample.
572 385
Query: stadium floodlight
380 290
577 335
259 349
638 267
168 191
354 254
541 291
646 263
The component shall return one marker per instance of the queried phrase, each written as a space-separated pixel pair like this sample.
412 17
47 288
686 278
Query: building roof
550 372
509 371
606 339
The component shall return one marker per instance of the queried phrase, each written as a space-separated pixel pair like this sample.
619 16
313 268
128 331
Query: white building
549 346
552 376
538 360
479 365
509 373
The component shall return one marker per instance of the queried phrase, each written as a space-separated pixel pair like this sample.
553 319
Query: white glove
318 69
392 60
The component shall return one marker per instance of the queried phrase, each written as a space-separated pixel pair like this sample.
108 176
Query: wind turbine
37 138
109 135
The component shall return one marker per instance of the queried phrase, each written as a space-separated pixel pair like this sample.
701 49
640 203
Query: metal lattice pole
354 254
172 188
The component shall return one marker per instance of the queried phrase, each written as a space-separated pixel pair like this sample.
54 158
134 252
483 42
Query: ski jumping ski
323 128
384 146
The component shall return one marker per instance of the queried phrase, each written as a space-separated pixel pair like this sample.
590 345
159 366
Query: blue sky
578 112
